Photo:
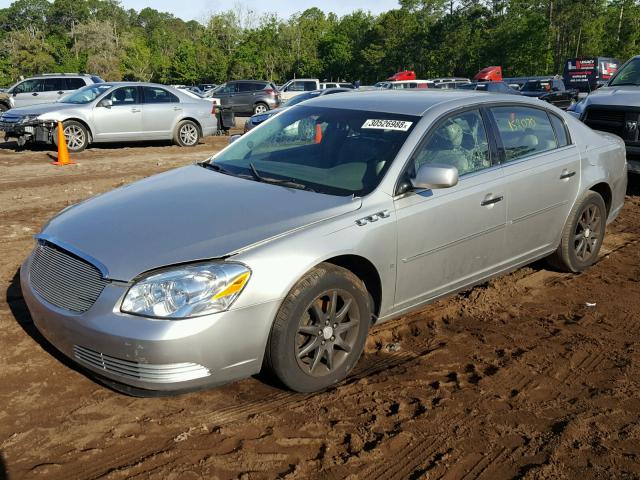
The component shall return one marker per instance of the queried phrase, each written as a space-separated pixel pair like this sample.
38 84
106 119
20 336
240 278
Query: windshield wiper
216 168
275 181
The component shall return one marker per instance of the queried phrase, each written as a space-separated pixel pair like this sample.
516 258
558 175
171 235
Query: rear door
53 89
245 96
160 112
542 173
121 121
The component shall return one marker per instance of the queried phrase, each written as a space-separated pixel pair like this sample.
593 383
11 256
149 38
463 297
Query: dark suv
248 96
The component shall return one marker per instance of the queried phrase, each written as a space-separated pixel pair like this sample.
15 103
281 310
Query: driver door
122 120
451 237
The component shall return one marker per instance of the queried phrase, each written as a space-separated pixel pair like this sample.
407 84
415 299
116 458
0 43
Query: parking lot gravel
532 375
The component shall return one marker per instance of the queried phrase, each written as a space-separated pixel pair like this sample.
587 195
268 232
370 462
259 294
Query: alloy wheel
74 136
587 233
327 332
260 109
189 134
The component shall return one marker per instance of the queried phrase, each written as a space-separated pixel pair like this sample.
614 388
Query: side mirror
233 138
106 103
433 175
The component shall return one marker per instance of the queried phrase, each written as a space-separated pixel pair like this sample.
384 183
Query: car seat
446 148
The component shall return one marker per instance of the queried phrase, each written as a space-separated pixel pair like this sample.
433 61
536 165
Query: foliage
433 37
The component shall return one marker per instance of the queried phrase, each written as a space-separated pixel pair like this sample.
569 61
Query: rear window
250 86
96 79
561 131
73 83
524 131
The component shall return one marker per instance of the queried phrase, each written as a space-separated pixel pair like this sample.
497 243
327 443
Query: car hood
625 95
41 108
185 215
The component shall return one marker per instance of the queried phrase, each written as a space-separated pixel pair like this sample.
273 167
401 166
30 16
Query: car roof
411 102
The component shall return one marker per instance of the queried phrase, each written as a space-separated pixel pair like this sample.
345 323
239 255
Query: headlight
28 118
188 291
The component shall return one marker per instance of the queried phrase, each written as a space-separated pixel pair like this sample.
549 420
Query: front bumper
150 354
34 130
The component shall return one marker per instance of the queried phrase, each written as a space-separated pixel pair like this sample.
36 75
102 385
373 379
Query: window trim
493 152
502 154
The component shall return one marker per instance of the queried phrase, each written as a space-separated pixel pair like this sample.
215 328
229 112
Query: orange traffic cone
63 151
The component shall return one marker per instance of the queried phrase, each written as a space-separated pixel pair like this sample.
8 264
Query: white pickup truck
297 86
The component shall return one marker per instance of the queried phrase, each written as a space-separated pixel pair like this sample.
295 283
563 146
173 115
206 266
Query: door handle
490 200
135 110
177 108
60 92
35 94
566 175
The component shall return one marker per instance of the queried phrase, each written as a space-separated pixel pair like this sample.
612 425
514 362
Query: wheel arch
604 190
365 271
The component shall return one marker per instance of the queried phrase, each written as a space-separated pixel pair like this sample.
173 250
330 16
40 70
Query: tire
3 108
260 108
187 134
312 346
582 235
76 134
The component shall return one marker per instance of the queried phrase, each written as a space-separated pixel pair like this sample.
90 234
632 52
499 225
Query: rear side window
96 79
524 131
158 95
73 83
250 86
53 84
560 129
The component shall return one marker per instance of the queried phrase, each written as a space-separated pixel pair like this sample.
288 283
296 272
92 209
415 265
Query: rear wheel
320 330
582 235
187 134
76 135
260 108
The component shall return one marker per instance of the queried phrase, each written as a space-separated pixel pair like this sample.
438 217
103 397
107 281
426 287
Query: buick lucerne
282 250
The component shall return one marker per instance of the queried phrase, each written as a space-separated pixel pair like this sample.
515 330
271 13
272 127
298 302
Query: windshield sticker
397 125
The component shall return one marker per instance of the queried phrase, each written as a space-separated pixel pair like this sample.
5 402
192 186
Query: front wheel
187 134
76 135
582 235
320 330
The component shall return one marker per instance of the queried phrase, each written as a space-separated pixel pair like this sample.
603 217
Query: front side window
27 86
124 96
524 131
329 150
460 141
159 95
629 74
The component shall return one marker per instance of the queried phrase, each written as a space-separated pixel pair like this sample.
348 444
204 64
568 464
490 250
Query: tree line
433 37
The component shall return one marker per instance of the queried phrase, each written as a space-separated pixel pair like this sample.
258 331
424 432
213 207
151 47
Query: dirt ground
534 375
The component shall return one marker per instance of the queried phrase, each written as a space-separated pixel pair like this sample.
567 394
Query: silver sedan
114 112
282 250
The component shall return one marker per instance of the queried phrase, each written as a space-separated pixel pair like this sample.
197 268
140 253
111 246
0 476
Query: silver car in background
283 249
114 112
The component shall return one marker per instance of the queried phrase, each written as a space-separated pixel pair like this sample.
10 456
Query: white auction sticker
398 125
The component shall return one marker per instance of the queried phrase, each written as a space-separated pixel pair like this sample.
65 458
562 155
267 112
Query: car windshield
300 98
327 150
628 75
86 94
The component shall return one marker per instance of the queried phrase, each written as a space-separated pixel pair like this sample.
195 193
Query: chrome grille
65 280
166 373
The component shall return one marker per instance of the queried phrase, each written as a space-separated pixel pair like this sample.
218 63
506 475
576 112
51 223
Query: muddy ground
518 378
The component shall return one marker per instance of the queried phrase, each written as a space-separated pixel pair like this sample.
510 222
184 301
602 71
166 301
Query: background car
282 250
114 112
491 87
551 90
258 118
247 96
298 85
337 85
44 88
